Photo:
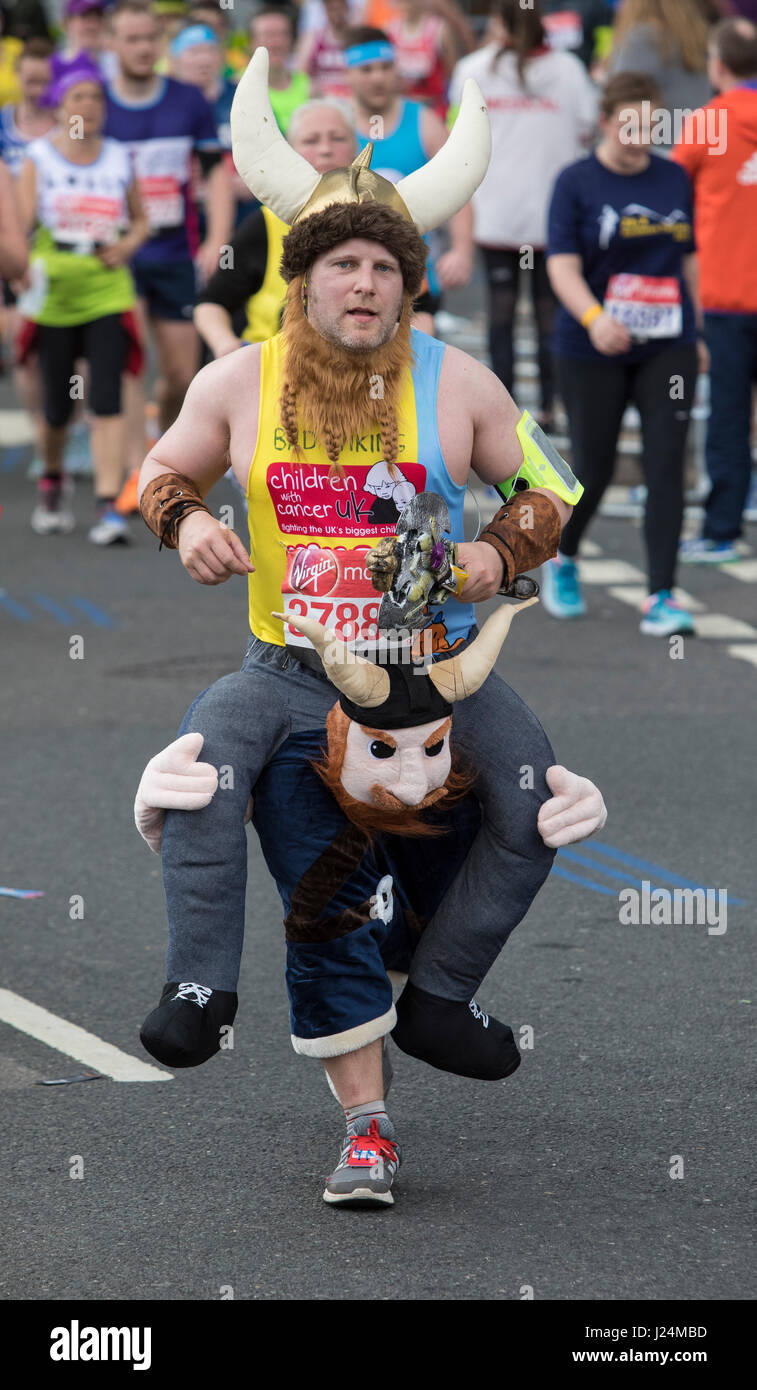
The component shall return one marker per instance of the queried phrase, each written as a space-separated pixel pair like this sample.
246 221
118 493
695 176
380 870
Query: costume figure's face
354 295
401 768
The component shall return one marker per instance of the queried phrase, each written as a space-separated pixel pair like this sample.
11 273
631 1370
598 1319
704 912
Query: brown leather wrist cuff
524 533
165 502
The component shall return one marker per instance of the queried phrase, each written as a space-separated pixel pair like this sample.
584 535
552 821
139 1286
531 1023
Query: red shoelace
374 1143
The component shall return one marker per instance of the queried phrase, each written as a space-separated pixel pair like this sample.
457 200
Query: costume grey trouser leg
245 717
508 861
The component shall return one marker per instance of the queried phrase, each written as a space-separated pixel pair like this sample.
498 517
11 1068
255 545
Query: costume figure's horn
462 675
440 188
361 681
279 177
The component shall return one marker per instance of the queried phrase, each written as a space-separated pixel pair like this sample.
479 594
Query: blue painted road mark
54 609
16 610
95 614
10 458
662 877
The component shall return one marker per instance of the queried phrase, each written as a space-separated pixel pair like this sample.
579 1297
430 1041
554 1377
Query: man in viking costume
304 417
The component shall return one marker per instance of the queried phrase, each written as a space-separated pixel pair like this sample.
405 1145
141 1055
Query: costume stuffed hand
173 780
575 810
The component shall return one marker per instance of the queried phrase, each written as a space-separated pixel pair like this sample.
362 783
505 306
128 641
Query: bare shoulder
475 382
226 383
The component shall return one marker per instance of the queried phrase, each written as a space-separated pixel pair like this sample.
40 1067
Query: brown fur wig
386 814
372 221
329 389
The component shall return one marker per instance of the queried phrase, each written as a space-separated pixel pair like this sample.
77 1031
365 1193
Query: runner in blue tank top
404 134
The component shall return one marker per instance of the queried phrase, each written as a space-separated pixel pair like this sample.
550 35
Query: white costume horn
284 182
440 188
363 682
279 177
464 674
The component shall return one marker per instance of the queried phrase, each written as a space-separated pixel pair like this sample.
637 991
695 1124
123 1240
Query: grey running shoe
367 1167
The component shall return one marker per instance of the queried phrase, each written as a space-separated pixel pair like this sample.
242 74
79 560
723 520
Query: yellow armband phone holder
542 466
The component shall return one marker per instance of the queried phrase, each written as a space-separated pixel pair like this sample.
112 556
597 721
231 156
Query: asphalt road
557 1180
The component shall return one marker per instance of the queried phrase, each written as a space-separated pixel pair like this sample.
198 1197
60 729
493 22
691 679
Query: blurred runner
621 261
84 33
273 29
197 58
320 52
724 173
19 125
163 124
668 42
243 302
78 189
405 134
428 36
543 109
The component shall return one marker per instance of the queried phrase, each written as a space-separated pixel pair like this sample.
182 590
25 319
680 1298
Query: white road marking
720 625
745 570
608 572
589 549
744 652
15 428
74 1041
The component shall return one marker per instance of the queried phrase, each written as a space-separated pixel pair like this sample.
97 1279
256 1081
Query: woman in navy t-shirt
622 264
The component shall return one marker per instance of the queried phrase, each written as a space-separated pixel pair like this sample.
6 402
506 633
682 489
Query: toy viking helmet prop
412 766
283 180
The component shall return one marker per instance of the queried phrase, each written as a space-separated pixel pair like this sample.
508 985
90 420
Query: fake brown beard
328 389
386 813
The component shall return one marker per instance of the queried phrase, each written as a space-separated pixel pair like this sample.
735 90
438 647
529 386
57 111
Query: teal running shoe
560 589
665 617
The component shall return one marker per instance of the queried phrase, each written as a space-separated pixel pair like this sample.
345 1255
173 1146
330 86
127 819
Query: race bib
649 306
162 167
84 219
163 201
333 586
564 30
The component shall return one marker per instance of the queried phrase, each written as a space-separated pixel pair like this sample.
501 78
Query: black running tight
503 269
595 395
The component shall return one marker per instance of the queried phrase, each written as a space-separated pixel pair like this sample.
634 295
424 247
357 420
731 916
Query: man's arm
195 450
485 432
229 288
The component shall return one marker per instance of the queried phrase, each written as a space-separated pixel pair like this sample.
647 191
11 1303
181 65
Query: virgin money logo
314 571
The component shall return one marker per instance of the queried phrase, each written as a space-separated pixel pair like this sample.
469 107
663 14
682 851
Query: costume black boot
453 1036
185 1029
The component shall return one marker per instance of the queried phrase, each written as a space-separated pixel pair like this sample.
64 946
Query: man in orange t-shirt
718 148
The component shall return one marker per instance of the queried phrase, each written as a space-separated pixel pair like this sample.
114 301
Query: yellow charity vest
264 308
309 532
